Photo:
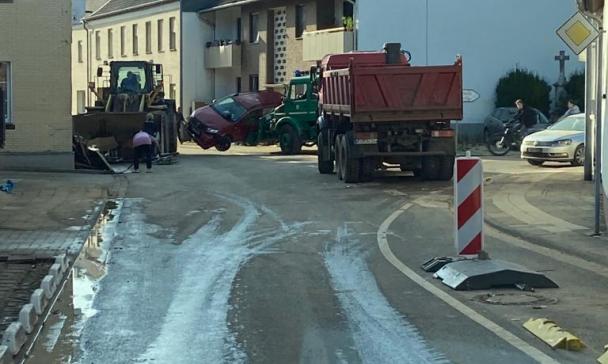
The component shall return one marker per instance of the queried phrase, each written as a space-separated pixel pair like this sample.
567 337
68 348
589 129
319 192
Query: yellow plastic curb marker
604 358
553 335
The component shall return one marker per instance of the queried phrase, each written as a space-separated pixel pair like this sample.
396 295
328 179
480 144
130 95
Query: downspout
84 25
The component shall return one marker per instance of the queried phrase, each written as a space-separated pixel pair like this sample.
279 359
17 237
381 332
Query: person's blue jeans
143 151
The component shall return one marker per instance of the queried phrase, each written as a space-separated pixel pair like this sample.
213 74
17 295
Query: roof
208 5
114 7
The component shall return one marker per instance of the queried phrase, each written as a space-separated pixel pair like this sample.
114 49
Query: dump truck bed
383 93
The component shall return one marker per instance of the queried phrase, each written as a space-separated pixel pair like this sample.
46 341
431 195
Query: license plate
535 150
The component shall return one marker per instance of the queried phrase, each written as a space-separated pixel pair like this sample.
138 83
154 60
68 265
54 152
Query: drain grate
516 299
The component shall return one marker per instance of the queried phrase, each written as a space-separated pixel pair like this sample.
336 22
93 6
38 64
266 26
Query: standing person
572 109
142 145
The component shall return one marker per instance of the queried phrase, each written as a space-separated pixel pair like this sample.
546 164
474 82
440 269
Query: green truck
293 124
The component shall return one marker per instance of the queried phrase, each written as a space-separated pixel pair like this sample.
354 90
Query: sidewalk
46 215
553 208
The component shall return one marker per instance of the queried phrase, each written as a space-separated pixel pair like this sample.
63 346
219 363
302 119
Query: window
172 34
300 21
239 29
254 82
159 34
80 101
5 92
238 84
80 51
298 92
172 91
98 44
110 43
123 36
135 40
148 37
254 33
133 79
229 108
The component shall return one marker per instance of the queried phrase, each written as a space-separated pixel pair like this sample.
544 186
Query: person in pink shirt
143 145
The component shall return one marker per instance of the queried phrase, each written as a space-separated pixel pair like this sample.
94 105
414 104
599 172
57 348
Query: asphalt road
255 257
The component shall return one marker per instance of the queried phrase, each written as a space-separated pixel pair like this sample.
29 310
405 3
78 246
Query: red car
231 118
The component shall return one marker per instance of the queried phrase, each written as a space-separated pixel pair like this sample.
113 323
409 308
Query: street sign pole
598 134
588 166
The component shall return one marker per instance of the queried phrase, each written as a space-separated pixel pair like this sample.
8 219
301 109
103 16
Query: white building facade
145 31
493 37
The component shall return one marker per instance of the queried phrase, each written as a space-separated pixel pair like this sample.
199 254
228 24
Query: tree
520 83
575 87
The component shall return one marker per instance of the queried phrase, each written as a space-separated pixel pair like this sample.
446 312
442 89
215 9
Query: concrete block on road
56 272
39 301
63 261
28 317
5 355
14 337
49 285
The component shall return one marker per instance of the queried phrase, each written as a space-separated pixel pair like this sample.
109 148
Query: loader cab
132 77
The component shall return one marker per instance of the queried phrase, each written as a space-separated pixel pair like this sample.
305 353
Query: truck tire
352 166
339 156
289 140
325 166
430 168
446 170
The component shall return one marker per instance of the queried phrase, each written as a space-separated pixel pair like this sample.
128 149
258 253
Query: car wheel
579 156
223 143
535 162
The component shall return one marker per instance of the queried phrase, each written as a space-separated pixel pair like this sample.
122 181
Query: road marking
549 252
497 330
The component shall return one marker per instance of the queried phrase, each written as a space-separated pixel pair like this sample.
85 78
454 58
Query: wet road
259 259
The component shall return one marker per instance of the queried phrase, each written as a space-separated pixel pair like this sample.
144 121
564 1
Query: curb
31 314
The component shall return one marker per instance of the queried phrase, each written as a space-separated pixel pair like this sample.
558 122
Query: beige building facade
254 45
146 31
35 84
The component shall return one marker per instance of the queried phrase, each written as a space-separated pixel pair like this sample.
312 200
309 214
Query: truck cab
293 123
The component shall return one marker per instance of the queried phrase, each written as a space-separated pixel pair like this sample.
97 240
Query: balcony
222 56
320 43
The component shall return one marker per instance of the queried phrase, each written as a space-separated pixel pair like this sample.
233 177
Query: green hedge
523 84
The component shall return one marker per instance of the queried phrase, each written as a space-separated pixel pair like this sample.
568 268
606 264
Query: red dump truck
375 108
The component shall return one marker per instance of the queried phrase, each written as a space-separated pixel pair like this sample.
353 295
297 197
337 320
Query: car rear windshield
229 109
573 123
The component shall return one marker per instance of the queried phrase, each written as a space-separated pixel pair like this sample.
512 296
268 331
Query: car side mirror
99 71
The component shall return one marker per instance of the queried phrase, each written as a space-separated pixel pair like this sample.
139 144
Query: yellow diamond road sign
578 33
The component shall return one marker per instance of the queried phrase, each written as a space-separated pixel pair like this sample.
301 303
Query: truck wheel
447 168
339 156
352 166
289 140
430 168
367 169
325 166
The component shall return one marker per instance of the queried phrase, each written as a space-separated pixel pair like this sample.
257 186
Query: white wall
197 81
493 36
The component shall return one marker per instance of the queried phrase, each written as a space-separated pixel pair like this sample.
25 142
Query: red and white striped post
468 202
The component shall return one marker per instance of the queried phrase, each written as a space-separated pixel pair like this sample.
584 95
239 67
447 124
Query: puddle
59 338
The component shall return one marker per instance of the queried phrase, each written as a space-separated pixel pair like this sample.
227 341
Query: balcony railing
223 56
320 43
